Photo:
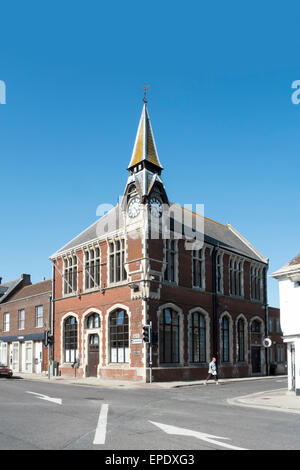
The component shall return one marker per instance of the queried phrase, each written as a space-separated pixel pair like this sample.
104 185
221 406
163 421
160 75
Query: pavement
279 399
275 400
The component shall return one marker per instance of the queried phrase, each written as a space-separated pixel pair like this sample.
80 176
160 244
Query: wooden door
93 355
255 356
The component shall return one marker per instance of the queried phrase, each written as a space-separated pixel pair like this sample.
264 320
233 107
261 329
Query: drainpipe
266 308
215 304
52 324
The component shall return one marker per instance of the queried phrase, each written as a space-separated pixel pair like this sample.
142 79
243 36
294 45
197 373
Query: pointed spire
144 147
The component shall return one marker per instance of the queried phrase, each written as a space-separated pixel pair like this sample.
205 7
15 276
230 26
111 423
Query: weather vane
145 93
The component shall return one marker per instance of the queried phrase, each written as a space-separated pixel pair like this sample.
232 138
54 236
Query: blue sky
220 104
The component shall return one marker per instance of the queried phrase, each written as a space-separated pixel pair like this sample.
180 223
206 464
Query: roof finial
145 93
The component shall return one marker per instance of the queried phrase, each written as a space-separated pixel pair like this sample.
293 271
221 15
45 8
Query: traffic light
48 339
146 333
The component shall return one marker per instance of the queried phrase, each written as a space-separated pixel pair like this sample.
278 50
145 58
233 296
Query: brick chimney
26 279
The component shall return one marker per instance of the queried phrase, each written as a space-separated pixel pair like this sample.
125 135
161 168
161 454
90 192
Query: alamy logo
296 94
2 92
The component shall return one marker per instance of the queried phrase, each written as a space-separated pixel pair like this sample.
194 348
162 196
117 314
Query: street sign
136 341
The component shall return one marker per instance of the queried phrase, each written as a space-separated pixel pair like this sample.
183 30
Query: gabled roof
219 235
289 268
105 226
43 287
144 147
7 288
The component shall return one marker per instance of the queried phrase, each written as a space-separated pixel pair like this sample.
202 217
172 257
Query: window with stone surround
198 260
117 272
70 340
197 337
92 268
171 260
119 336
225 339
241 340
256 275
236 277
169 336
70 275
219 273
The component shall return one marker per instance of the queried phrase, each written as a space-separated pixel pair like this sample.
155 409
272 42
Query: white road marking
199 435
100 433
58 401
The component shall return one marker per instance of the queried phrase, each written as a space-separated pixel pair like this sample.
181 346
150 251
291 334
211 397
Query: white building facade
289 291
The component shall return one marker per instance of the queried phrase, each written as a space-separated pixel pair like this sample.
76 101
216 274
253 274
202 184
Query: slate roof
42 287
291 266
7 288
223 236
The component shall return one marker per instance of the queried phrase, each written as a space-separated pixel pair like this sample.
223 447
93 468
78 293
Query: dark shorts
213 376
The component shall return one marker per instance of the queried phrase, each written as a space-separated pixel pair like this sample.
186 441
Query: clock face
134 207
156 206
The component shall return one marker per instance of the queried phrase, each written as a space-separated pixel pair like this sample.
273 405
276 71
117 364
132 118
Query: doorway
255 358
93 355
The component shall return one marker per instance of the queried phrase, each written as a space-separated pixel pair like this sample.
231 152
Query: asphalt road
199 416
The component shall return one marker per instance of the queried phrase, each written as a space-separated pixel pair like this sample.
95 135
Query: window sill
170 283
117 365
92 289
117 284
198 364
199 289
167 365
255 301
72 294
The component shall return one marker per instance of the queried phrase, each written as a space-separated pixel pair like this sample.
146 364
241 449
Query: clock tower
144 193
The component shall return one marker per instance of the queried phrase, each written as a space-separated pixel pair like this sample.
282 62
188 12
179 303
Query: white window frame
122 251
6 321
198 256
92 268
167 266
39 317
70 269
236 271
256 281
219 265
21 319
3 353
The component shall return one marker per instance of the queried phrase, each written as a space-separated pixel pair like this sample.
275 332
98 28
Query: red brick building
278 350
200 283
24 316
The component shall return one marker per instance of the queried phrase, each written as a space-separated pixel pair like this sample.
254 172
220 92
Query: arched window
255 327
169 336
93 321
241 340
119 336
197 338
225 339
70 339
